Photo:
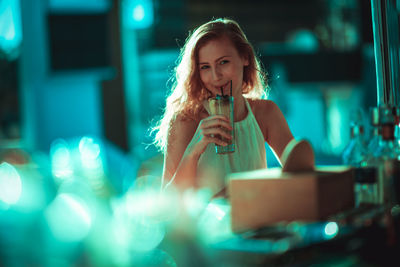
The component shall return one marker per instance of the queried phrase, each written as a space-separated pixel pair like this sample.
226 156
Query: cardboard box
264 197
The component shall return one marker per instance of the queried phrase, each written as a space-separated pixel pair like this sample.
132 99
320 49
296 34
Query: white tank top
249 155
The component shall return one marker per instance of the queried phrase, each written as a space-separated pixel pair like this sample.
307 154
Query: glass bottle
386 157
355 152
355 155
366 184
396 114
375 134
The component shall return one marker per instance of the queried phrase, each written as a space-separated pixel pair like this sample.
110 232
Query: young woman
214 55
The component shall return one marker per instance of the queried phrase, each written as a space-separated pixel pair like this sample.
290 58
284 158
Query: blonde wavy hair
188 93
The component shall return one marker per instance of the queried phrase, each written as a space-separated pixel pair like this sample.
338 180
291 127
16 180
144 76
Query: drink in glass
223 105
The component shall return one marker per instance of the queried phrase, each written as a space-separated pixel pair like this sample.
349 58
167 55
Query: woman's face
219 63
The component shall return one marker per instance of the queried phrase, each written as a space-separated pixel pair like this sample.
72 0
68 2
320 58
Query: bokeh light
196 201
90 151
146 234
61 160
10 27
214 223
281 246
331 229
133 225
137 14
156 257
10 184
68 218
147 197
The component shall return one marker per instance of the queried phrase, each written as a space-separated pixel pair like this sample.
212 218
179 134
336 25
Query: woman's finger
216 140
215 132
216 122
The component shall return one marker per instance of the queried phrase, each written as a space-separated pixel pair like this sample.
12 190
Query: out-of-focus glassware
355 152
385 157
365 186
375 135
356 155
396 114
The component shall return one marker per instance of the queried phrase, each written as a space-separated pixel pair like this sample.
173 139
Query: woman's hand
187 140
213 129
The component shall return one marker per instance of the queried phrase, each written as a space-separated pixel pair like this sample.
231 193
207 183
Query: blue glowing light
214 223
76 6
138 14
68 218
195 201
137 224
331 229
10 184
92 163
10 27
89 148
61 161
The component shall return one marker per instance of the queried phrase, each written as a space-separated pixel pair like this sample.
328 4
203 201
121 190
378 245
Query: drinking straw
231 87
222 91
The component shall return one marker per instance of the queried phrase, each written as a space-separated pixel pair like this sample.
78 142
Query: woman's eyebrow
218 59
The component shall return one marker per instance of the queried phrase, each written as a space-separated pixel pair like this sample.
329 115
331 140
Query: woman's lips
224 87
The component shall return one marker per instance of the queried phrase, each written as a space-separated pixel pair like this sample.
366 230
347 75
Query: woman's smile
219 64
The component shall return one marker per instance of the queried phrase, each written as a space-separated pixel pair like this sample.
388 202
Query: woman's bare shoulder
269 117
263 107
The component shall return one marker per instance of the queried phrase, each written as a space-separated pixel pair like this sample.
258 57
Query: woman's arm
187 140
273 124
177 166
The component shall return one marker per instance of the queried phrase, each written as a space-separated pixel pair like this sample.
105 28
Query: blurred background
84 80
101 67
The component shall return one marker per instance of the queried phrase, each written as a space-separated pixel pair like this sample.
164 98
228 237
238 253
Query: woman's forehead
217 47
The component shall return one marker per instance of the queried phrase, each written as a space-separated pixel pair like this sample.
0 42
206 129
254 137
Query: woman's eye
203 67
224 62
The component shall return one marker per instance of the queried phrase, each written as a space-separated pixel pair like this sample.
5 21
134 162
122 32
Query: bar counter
364 236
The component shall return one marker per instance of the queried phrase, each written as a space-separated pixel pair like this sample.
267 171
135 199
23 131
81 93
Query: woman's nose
216 74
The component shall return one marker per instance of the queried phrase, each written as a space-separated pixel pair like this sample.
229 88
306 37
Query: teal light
138 224
89 148
137 14
68 218
216 211
331 230
61 160
281 245
334 116
195 201
10 184
90 152
214 223
10 27
76 6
